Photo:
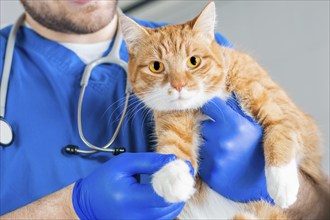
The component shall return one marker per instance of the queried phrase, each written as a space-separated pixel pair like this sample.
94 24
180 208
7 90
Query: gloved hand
112 192
232 160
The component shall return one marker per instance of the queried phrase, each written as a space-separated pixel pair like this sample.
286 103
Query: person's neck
104 34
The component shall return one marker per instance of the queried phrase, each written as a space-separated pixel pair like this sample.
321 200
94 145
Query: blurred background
290 39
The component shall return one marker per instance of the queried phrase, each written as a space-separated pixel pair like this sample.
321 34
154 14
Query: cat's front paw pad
174 182
283 184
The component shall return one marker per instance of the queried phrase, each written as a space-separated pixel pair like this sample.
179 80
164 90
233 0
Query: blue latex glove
232 160
112 191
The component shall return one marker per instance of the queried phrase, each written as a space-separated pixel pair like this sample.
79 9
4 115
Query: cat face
174 67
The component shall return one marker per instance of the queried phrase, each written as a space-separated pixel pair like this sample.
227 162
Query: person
38 180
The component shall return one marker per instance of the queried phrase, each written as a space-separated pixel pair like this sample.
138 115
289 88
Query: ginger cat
175 70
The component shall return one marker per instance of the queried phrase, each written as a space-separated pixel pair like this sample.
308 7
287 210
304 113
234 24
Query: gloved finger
218 110
144 163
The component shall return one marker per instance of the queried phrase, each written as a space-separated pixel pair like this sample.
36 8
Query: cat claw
283 184
174 182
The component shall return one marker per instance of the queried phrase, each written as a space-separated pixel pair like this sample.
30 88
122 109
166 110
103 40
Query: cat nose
178 85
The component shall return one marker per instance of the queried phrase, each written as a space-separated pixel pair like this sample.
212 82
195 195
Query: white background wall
288 38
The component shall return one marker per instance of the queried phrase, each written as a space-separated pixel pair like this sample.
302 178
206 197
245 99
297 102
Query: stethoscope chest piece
6 133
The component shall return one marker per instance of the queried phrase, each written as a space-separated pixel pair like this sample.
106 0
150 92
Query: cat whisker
119 106
129 108
132 111
114 103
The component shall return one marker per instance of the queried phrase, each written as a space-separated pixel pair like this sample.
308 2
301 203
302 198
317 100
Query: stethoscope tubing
5 81
81 134
7 64
112 58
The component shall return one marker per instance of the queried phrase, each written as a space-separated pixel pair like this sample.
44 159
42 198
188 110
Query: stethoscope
7 133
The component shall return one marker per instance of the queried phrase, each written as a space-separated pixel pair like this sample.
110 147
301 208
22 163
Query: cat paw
283 184
174 182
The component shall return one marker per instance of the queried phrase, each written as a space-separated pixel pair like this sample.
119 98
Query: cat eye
156 67
194 61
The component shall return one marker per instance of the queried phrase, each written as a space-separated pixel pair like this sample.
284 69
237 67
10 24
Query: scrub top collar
62 58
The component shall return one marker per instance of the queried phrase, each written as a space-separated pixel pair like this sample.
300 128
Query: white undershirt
86 52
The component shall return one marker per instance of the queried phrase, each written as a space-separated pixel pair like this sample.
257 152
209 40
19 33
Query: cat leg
177 134
281 165
282 140
282 143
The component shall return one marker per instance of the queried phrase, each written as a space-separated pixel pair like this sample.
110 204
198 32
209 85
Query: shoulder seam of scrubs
49 49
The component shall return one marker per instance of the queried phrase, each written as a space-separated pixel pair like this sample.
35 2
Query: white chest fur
210 205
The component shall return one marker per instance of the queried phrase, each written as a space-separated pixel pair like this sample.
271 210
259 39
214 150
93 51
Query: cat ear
205 21
132 31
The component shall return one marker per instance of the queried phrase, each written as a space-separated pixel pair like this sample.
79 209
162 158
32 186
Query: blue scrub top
42 110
